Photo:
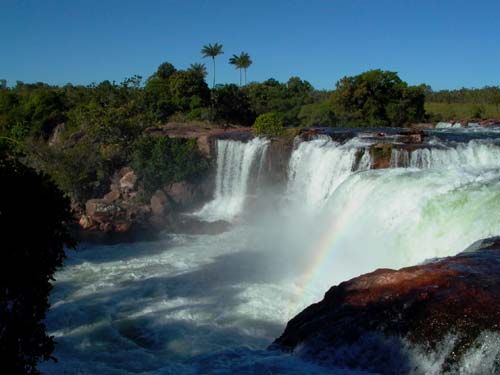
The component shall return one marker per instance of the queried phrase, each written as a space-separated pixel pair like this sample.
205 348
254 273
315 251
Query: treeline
463 103
80 135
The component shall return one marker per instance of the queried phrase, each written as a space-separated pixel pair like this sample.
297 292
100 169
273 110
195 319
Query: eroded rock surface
454 300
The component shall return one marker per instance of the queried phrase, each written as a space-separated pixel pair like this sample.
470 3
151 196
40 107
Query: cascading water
474 154
235 163
211 304
319 166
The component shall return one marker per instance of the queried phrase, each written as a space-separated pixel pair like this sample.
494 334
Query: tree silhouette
212 51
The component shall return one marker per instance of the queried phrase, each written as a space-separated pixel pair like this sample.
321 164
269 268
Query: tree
378 98
160 161
231 106
188 90
199 69
270 124
28 263
236 61
212 51
241 62
245 62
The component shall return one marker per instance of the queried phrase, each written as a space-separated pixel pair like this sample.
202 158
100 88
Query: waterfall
319 166
236 161
473 154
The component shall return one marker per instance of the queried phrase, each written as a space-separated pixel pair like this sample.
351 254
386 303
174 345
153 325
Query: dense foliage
160 161
80 135
270 124
463 103
378 98
28 200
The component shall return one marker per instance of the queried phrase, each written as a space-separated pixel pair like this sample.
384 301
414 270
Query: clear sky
444 43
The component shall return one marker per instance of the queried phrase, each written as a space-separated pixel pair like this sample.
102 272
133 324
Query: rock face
453 300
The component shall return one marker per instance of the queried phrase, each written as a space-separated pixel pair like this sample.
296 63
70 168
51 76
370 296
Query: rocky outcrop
443 308
122 215
205 134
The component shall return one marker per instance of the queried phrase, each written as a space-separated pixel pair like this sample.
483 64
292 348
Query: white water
474 154
211 304
319 166
235 161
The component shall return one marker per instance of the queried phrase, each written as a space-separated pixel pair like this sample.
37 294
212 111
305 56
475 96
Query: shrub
159 161
270 124
29 200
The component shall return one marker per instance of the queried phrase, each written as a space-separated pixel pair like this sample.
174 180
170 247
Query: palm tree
241 62
245 62
212 50
236 61
198 68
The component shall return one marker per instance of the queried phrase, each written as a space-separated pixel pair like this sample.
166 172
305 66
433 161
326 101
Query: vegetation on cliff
80 135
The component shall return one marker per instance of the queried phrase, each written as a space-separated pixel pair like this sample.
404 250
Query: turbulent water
212 303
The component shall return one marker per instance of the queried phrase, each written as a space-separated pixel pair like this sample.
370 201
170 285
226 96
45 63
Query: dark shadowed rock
182 193
381 154
423 305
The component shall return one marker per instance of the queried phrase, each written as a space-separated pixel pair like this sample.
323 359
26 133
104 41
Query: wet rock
182 193
422 305
159 203
381 154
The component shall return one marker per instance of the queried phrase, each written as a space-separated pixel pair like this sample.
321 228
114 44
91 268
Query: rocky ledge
438 317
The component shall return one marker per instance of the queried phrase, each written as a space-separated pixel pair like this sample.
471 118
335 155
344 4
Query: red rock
159 203
423 304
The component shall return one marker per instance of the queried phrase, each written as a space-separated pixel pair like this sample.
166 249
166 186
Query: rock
99 209
122 227
159 203
128 181
381 154
182 193
112 196
85 222
421 306
55 137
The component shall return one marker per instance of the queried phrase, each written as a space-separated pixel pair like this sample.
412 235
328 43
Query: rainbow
322 251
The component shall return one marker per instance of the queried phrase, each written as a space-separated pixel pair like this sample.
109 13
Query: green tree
162 160
232 106
236 61
199 69
28 263
188 90
245 62
242 63
270 124
212 51
378 98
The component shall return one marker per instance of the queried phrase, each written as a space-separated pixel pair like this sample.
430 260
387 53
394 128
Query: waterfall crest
236 161
473 154
318 167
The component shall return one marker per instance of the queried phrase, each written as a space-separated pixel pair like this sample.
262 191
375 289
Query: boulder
182 193
381 154
128 181
442 310
112 196
100 210
85 222
159 203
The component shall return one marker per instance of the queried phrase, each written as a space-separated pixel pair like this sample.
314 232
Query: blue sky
445 43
